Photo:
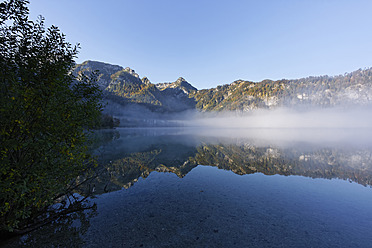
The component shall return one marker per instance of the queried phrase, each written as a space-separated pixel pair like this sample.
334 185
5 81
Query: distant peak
145 80
131 71
128 69
93 62
183 83
181 79
92 65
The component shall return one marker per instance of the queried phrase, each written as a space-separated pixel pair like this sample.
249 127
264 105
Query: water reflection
135 153
67 231
218 208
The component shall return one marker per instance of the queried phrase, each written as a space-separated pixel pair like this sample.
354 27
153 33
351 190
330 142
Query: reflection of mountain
137 154
323 163
126 171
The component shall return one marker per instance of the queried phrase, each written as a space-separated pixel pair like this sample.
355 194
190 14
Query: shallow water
216 208
154 192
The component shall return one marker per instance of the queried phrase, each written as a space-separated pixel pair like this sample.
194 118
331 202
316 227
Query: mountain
138 100
105 71
180 84
124 86
324 91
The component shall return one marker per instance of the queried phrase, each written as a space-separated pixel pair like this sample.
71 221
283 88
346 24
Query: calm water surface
223 188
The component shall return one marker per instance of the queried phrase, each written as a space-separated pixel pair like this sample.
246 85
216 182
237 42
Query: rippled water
227 188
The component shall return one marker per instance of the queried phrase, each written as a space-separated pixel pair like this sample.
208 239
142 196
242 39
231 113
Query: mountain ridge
125 87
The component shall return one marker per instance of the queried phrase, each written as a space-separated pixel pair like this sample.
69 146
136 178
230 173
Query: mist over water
360 117
343 125
330 126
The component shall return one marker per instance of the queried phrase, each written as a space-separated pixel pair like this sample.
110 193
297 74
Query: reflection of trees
323 163
103 137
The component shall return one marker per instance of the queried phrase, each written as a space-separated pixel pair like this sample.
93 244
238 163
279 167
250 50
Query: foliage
108 121
44 116
70 228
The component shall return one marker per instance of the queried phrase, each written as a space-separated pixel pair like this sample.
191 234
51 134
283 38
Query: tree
45 113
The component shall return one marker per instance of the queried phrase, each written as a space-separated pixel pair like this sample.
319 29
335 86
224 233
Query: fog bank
360 117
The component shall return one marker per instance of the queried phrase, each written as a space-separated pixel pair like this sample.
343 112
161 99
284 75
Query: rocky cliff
123 86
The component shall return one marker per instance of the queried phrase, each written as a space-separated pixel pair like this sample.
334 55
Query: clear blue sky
210 43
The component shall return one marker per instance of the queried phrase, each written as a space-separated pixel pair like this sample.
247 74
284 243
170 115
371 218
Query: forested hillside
124 86
324 91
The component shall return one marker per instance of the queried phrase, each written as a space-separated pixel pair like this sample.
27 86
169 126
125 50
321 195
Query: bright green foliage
44 115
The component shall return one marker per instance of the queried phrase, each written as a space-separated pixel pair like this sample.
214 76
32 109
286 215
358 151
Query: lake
188 187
